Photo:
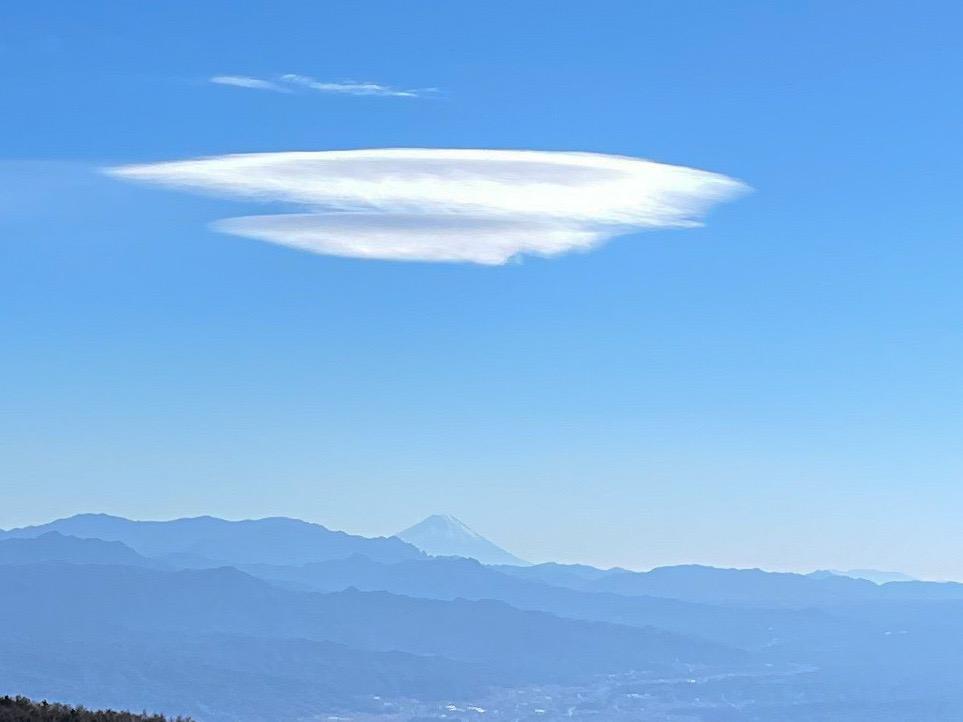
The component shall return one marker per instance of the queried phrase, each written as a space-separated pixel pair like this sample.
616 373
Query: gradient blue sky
781 388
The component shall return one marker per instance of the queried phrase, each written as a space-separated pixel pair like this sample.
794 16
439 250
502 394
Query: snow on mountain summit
443 535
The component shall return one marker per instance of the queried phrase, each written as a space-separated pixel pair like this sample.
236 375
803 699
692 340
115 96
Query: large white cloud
484 206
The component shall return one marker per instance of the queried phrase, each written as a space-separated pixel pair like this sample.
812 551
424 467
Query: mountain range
207 539
221 620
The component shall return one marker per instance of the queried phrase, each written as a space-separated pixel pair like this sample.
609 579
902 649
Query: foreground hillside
21 709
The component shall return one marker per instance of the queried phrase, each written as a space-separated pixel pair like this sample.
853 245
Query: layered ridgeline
206 540
284 620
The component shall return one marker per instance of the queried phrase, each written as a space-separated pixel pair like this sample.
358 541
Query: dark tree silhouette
21 709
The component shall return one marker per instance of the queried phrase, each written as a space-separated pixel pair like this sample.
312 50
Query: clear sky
779 388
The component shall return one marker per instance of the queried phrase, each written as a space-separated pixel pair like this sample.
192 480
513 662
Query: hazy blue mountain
921 591
224 678
872 575
55 547
456 578
274 540
442 535
749 586
222 645
228 644
752 587
575 576
529 645
697 583
95 621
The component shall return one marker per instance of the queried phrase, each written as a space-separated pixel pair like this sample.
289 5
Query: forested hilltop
21 709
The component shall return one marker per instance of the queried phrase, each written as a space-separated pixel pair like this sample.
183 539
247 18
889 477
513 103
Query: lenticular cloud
481 206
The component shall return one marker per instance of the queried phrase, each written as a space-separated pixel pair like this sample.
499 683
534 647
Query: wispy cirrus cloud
353 87
480 206
242 81
292 82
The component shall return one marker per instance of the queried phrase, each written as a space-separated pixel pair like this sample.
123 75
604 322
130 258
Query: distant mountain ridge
273 540
531 645
53 546
715 585
876 576
442 535
454 578
280 619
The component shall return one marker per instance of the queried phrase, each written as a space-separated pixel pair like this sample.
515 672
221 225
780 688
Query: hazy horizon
520 553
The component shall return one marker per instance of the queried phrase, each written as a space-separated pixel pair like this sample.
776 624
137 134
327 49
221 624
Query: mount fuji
442 535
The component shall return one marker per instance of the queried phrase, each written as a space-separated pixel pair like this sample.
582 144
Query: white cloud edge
291 82
438 239
461 205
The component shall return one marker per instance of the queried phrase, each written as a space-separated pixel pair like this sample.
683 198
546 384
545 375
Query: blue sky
778 388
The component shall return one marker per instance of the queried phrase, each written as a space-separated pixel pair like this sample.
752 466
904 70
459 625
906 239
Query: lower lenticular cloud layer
481 206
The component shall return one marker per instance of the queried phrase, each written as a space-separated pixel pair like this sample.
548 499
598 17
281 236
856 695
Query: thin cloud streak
353 87
481 206
242 81
292 82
